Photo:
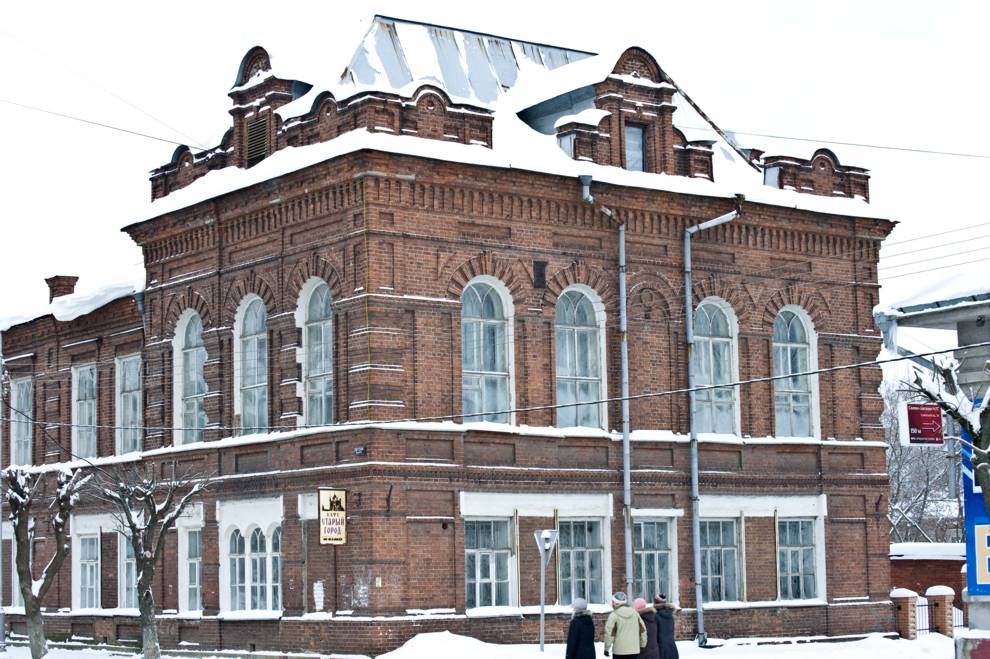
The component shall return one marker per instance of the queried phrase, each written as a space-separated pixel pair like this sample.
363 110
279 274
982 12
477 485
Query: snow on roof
69 307
507 76
928 551
589 117
951 290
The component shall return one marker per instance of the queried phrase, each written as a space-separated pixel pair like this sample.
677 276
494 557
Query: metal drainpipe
624 352
701 637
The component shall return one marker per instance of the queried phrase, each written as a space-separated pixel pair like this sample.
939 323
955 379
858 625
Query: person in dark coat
581 633
648 614
665 613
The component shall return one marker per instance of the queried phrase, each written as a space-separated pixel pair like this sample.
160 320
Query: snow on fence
923 625
958 619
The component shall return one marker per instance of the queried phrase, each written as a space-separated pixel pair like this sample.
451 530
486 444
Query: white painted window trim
122 541
509 310
733 321
88 526
809 326
740 557
820 556
673 580
118 399
806 506
238 329
513 559
606 527
245 516
526 504
16 427
190 520
178 376
601 318
302 320
76 421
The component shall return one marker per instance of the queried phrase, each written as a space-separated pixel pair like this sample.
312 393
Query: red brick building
409 245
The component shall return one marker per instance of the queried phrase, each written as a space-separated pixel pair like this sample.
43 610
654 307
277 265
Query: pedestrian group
644 631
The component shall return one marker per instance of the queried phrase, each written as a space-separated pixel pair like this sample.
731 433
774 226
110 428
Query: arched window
713 357
259 570
254 368
277 569
191 383
579 378
237 571
319 358
793 396
485 354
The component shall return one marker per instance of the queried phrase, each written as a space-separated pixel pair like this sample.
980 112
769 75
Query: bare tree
920 506
146 506
942 388
23 491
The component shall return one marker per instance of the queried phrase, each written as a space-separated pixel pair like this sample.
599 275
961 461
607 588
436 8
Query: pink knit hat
639 603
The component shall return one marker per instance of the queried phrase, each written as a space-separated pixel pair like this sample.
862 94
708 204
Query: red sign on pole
920 424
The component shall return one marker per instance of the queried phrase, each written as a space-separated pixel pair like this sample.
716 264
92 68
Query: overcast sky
898 73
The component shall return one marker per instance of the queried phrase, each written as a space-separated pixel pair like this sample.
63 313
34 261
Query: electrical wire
531 408
89 121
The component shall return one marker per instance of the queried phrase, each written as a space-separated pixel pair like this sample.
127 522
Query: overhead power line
89 121
516 410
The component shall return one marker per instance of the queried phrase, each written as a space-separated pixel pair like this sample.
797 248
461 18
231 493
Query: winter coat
625 633
665 631
581 637
652 649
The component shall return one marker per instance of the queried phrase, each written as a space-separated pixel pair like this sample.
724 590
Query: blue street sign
977 527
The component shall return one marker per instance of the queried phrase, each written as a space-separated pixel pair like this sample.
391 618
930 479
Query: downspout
701 637
624 352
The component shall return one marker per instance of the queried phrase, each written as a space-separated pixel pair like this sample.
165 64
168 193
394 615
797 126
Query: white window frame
626 127
179 397
123 545
245 515
88 526
739 559
191 520
600 319
21 420
508 309
513 569
302 352
120 364
813 385
77 429
671 524
603 529
239 389
733 322
815 547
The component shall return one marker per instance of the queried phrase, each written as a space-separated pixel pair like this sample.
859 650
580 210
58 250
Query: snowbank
444 645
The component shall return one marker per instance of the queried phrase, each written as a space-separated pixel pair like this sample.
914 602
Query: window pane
634 148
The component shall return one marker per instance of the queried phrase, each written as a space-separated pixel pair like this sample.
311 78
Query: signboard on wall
333 516
977 527
920 424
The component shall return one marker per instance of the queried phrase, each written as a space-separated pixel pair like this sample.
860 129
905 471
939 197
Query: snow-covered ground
444 645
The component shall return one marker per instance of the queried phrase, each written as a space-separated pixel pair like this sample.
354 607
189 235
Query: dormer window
257 140
635 148
566 144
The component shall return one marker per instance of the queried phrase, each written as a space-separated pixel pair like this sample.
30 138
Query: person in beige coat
625 633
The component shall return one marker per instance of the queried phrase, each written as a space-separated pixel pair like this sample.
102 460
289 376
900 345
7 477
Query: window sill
254 614
766 604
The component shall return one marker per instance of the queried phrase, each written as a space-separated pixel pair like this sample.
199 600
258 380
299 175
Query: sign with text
977 527
920 424
333 516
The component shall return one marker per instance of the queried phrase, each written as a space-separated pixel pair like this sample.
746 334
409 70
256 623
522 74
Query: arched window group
254 570
715 362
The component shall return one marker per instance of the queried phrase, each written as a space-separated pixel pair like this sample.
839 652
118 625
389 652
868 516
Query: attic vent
257 141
